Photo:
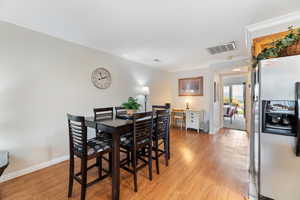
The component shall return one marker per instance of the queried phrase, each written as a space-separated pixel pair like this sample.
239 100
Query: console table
195 120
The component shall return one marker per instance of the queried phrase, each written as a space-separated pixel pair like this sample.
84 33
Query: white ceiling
174 31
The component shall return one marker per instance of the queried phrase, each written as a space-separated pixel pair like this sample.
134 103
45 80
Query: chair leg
84 178
134 170
166 152
128 158
168 140
99 162
150 162
71 175
156 157
110 163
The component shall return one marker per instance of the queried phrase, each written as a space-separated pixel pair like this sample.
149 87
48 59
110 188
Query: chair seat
103 136
125 137
3 159
128 142
96 145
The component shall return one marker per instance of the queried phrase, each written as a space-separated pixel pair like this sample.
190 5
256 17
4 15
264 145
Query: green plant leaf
277 46
131 104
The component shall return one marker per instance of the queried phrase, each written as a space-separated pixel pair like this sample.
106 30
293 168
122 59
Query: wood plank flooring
203 167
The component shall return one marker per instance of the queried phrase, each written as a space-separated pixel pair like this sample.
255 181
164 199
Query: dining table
117 127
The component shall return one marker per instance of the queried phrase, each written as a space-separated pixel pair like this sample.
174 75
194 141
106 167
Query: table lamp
146 92
187 104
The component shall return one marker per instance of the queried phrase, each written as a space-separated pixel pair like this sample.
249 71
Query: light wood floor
203 167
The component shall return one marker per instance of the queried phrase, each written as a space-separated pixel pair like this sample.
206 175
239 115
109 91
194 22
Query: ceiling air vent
222 48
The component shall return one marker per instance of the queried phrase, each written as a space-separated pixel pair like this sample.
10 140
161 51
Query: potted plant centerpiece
131 105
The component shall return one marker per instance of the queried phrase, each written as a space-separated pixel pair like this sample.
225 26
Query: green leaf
277 46
131 104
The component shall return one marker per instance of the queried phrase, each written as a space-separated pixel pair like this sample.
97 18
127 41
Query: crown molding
273 21
267 24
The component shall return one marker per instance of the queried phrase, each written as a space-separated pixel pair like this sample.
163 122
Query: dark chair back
162 124
160 107
120 110
77 135
142 128
103 113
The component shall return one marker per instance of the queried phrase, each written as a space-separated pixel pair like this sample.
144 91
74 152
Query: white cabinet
194 119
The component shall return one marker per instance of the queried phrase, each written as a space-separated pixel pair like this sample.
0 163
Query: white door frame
247 96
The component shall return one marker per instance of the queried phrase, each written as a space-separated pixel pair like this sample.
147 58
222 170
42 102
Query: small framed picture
190 86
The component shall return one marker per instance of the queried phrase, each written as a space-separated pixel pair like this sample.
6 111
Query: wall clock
101 78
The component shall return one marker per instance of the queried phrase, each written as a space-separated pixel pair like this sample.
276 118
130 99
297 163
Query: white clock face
101 78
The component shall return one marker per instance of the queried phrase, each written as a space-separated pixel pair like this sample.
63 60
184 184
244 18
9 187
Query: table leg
169 151
116 167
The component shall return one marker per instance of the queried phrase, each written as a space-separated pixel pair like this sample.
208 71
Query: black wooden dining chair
120 110
140 140
85 150
100 114
103 113
167 106
161 136
160 107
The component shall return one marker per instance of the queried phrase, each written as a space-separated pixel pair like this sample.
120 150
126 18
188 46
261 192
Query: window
226 95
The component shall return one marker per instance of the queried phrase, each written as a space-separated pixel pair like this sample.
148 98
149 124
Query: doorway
234 106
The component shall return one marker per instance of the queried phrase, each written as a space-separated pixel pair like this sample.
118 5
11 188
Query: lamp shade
145 90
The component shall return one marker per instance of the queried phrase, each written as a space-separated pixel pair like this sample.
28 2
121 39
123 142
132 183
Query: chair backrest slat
103 113
120 110
142 127
77 133
162 123
160 107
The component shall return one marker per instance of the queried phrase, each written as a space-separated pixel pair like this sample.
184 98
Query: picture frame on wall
190 86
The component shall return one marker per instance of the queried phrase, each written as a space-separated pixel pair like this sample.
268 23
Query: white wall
235 79
42 78
196 102
248 102
216 110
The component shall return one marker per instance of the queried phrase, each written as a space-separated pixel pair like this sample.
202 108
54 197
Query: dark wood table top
125 116
115 123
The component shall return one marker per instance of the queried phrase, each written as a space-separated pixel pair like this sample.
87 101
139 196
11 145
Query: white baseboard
34 168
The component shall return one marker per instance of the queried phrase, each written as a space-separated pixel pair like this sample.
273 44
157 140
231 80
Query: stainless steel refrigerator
274 165
254 187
